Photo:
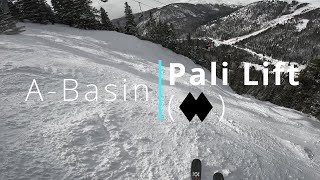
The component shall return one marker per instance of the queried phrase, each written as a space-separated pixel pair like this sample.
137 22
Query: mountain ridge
184 16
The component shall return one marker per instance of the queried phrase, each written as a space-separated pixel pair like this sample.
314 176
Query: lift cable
143 3
159 2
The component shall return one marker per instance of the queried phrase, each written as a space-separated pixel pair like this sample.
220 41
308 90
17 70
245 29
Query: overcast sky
115 8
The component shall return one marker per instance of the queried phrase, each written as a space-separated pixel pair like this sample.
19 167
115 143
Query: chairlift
103 1
141 14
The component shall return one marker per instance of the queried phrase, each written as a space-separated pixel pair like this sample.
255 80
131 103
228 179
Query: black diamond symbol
191 107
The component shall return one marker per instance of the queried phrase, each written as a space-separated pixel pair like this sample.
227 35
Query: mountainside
315 3
270 31
285 31
296 40
121 140
185 17
248 19
208 1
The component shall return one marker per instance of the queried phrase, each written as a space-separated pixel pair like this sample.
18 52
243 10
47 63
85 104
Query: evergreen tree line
7 21
304 98
75 13
80 14
161 33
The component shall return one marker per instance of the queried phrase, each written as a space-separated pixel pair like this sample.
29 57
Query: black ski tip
196 169
196 161
218 176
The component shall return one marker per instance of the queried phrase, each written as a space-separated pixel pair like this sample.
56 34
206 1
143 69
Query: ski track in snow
267 26
123 140
271 24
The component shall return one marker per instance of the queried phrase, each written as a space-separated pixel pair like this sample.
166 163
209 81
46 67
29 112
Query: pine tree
131 26
161 33
36 11
309 89
76 13
64 12
119 28
86 16
14 10
47 13
7 22
315 64
151 28
171 38
105 21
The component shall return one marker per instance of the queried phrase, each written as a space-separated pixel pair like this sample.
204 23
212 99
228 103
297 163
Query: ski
218 176
196 169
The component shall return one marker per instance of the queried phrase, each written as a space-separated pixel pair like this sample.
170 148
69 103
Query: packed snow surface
123 140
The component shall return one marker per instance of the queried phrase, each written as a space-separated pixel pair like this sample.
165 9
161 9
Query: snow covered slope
280 20
123 140
252 20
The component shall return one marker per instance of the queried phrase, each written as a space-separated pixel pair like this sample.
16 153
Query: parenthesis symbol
169 108
223 108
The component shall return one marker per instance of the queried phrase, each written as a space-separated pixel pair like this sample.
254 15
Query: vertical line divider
160 103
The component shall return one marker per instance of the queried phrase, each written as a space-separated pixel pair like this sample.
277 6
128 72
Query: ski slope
280 20
123 140
268 25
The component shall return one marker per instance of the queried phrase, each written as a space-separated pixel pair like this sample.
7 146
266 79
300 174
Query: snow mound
123 139
302 24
